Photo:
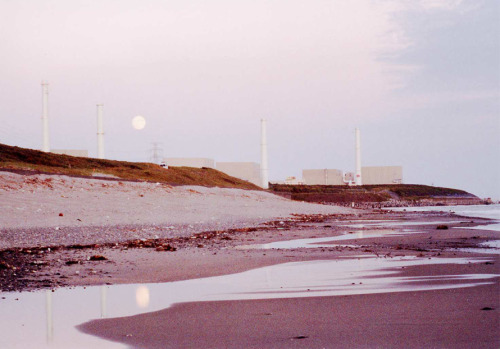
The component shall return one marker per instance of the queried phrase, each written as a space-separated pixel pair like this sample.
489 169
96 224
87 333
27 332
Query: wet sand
451 318
425 319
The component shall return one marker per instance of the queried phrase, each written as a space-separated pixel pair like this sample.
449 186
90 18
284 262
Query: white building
382 175
72 152
248 171
322 177
190 162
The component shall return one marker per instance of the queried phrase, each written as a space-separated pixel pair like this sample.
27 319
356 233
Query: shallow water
47 319
487 247
480 211
317 242
394 223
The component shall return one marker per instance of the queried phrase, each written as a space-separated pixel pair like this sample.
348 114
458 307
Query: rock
97 257
442 227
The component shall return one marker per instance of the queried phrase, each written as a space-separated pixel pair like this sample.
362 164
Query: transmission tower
156 153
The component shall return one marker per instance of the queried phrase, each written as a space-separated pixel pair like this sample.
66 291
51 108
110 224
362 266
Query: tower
45 117
358 179
100 133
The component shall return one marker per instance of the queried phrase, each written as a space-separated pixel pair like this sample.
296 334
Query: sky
419 78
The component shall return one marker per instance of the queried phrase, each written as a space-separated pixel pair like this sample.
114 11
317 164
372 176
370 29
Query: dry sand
436 319
61 210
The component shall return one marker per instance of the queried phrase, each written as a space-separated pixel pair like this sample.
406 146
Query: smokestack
45 117
264 175
100 133
358 180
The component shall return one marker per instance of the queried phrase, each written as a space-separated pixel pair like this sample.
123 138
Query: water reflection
48 312
365 224
103 302
326 241
142 296
23 327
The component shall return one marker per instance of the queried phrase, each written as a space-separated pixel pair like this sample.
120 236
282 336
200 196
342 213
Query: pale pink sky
419 78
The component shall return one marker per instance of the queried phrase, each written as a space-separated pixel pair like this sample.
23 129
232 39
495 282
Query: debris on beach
97 257
166 247
488 308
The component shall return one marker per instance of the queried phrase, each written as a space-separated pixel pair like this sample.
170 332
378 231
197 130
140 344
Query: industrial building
362 175
370 175
72 152
322 177
382 175
190 162
248 171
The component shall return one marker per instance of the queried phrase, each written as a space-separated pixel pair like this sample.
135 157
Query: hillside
21 159
378 195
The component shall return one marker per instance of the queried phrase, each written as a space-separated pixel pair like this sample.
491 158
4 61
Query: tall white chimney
100 133
45 117
264 175
358 180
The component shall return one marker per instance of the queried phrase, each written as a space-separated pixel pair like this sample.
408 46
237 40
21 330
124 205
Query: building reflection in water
103 301
142 299
48 313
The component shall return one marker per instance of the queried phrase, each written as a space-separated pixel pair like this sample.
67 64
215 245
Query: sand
61 210
438 319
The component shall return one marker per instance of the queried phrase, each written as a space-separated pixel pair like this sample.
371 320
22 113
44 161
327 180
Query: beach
118 233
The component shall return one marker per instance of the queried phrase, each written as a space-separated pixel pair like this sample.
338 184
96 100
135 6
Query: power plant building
190 162
248 171
72 152
322 177
382 175
370 175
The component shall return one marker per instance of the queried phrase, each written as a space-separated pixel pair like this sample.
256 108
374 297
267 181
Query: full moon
138 122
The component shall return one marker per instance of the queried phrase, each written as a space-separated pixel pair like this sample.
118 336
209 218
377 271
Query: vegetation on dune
17 158
367 193
402 190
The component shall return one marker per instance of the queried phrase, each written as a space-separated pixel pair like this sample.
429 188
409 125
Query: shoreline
144 260
454 318
439 318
